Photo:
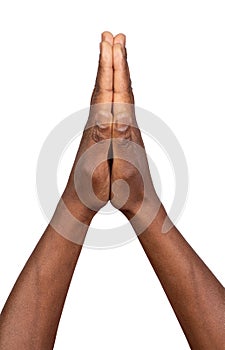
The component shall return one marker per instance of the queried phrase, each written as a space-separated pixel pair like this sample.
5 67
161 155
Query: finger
123 99
122 83
100 117
103 91
120 39
107 36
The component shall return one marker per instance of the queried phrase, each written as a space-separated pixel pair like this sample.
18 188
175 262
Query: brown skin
197 297
30 317
125 129
98 128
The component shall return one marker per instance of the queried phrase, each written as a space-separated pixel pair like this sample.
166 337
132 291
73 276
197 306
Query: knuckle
122 131
102 125
101 132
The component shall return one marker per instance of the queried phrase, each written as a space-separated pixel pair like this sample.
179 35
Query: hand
91 166
131 184
132 187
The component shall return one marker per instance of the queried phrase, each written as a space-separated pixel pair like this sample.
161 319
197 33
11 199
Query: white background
49 53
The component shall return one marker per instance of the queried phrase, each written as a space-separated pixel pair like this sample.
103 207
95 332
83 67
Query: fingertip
107 36
120 39
107 33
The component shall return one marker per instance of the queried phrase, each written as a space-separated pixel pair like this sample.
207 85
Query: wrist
150 215
148 205
71 219
77 209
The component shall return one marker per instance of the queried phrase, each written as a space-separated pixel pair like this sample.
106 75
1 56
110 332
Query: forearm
32 312
196 296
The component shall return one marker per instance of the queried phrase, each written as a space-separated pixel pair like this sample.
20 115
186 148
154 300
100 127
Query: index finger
100 116
103 91
122 82
123 99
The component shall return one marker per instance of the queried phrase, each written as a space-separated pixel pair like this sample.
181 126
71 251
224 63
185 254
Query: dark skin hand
197 297
30 317
126 136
